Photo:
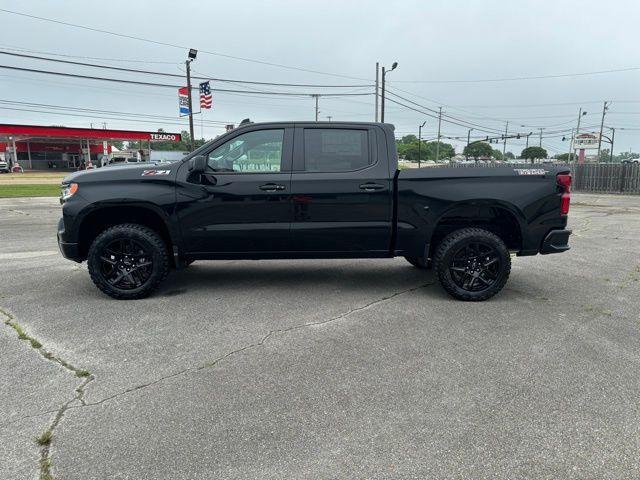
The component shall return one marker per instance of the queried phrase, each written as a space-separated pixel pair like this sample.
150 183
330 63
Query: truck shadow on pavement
319 275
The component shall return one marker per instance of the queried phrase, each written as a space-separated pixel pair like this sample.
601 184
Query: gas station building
37 147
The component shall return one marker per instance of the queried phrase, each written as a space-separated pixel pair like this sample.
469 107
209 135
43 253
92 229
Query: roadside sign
586 141
183 100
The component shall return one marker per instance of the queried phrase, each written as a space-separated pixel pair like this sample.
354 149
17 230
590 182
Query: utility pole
377 91
420 142
541 128
317 111
604 111
329 117
504 145
570 146
528 135
438 144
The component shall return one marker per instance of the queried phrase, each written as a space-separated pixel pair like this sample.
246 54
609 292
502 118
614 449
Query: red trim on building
86 133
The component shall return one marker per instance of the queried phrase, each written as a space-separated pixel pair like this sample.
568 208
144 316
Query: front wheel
128 261
473 264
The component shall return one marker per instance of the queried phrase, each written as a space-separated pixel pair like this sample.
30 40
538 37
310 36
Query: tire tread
151 236
446 244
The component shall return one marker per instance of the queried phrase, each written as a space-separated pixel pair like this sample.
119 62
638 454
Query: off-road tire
419 262
452 244
152 242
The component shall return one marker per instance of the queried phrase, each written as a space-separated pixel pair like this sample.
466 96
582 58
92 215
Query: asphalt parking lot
323 369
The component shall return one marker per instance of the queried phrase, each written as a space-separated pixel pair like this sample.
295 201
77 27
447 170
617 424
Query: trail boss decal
530 171
155 173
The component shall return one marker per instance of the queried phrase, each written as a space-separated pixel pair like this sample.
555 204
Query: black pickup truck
310 190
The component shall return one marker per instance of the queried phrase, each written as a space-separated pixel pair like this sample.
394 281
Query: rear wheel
128 261
473 264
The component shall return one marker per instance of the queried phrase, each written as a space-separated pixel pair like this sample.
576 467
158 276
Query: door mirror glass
198 164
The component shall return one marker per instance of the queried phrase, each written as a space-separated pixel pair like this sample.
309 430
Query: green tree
562 157
477 150
509 156
497 154
408 148
408 139
605 155
532 153
446 150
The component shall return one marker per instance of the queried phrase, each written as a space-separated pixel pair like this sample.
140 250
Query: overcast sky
430 40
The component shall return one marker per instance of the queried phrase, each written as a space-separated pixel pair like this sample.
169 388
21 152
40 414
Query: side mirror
198 164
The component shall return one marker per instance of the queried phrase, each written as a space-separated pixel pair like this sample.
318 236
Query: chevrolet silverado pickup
310 190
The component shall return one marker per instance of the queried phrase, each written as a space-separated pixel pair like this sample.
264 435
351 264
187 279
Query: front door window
252 152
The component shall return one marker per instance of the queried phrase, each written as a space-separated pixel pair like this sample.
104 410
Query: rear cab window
336 149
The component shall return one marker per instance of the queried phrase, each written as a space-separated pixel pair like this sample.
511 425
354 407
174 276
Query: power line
435 116
107 112
467 123
165 85
175 75
533 77
172 45
82 57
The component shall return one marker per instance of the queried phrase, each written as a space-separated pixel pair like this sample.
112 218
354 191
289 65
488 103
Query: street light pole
504 145
468 140
316 96
613 137
384 74
377 91
438 143
604 111
192 56
420 142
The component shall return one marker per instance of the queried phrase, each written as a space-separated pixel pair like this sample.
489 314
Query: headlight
68 191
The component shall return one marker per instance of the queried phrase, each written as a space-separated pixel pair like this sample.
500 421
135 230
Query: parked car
4 166
334 192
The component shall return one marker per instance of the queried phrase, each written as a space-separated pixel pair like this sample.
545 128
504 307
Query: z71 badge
530 171
155 173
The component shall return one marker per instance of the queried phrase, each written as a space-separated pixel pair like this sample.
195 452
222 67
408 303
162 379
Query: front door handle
371 187
271 187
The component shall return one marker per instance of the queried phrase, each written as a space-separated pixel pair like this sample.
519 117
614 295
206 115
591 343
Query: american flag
205 95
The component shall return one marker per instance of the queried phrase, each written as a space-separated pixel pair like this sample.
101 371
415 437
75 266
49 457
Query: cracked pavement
326 369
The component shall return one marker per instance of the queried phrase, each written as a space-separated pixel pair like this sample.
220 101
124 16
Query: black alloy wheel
475 267
126 264
473 264
128 261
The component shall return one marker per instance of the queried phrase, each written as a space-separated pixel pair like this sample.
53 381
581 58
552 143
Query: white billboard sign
586 141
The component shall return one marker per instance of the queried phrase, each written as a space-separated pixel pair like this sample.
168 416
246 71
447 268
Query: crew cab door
341 191
241 204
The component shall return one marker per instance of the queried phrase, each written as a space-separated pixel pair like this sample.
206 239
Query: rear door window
335 149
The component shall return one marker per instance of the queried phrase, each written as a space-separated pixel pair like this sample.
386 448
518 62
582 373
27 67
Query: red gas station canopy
23 132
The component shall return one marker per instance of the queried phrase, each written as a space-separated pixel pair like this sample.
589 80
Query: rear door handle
371 187
271 187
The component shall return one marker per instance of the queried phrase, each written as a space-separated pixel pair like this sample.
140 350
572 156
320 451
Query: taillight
564 182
